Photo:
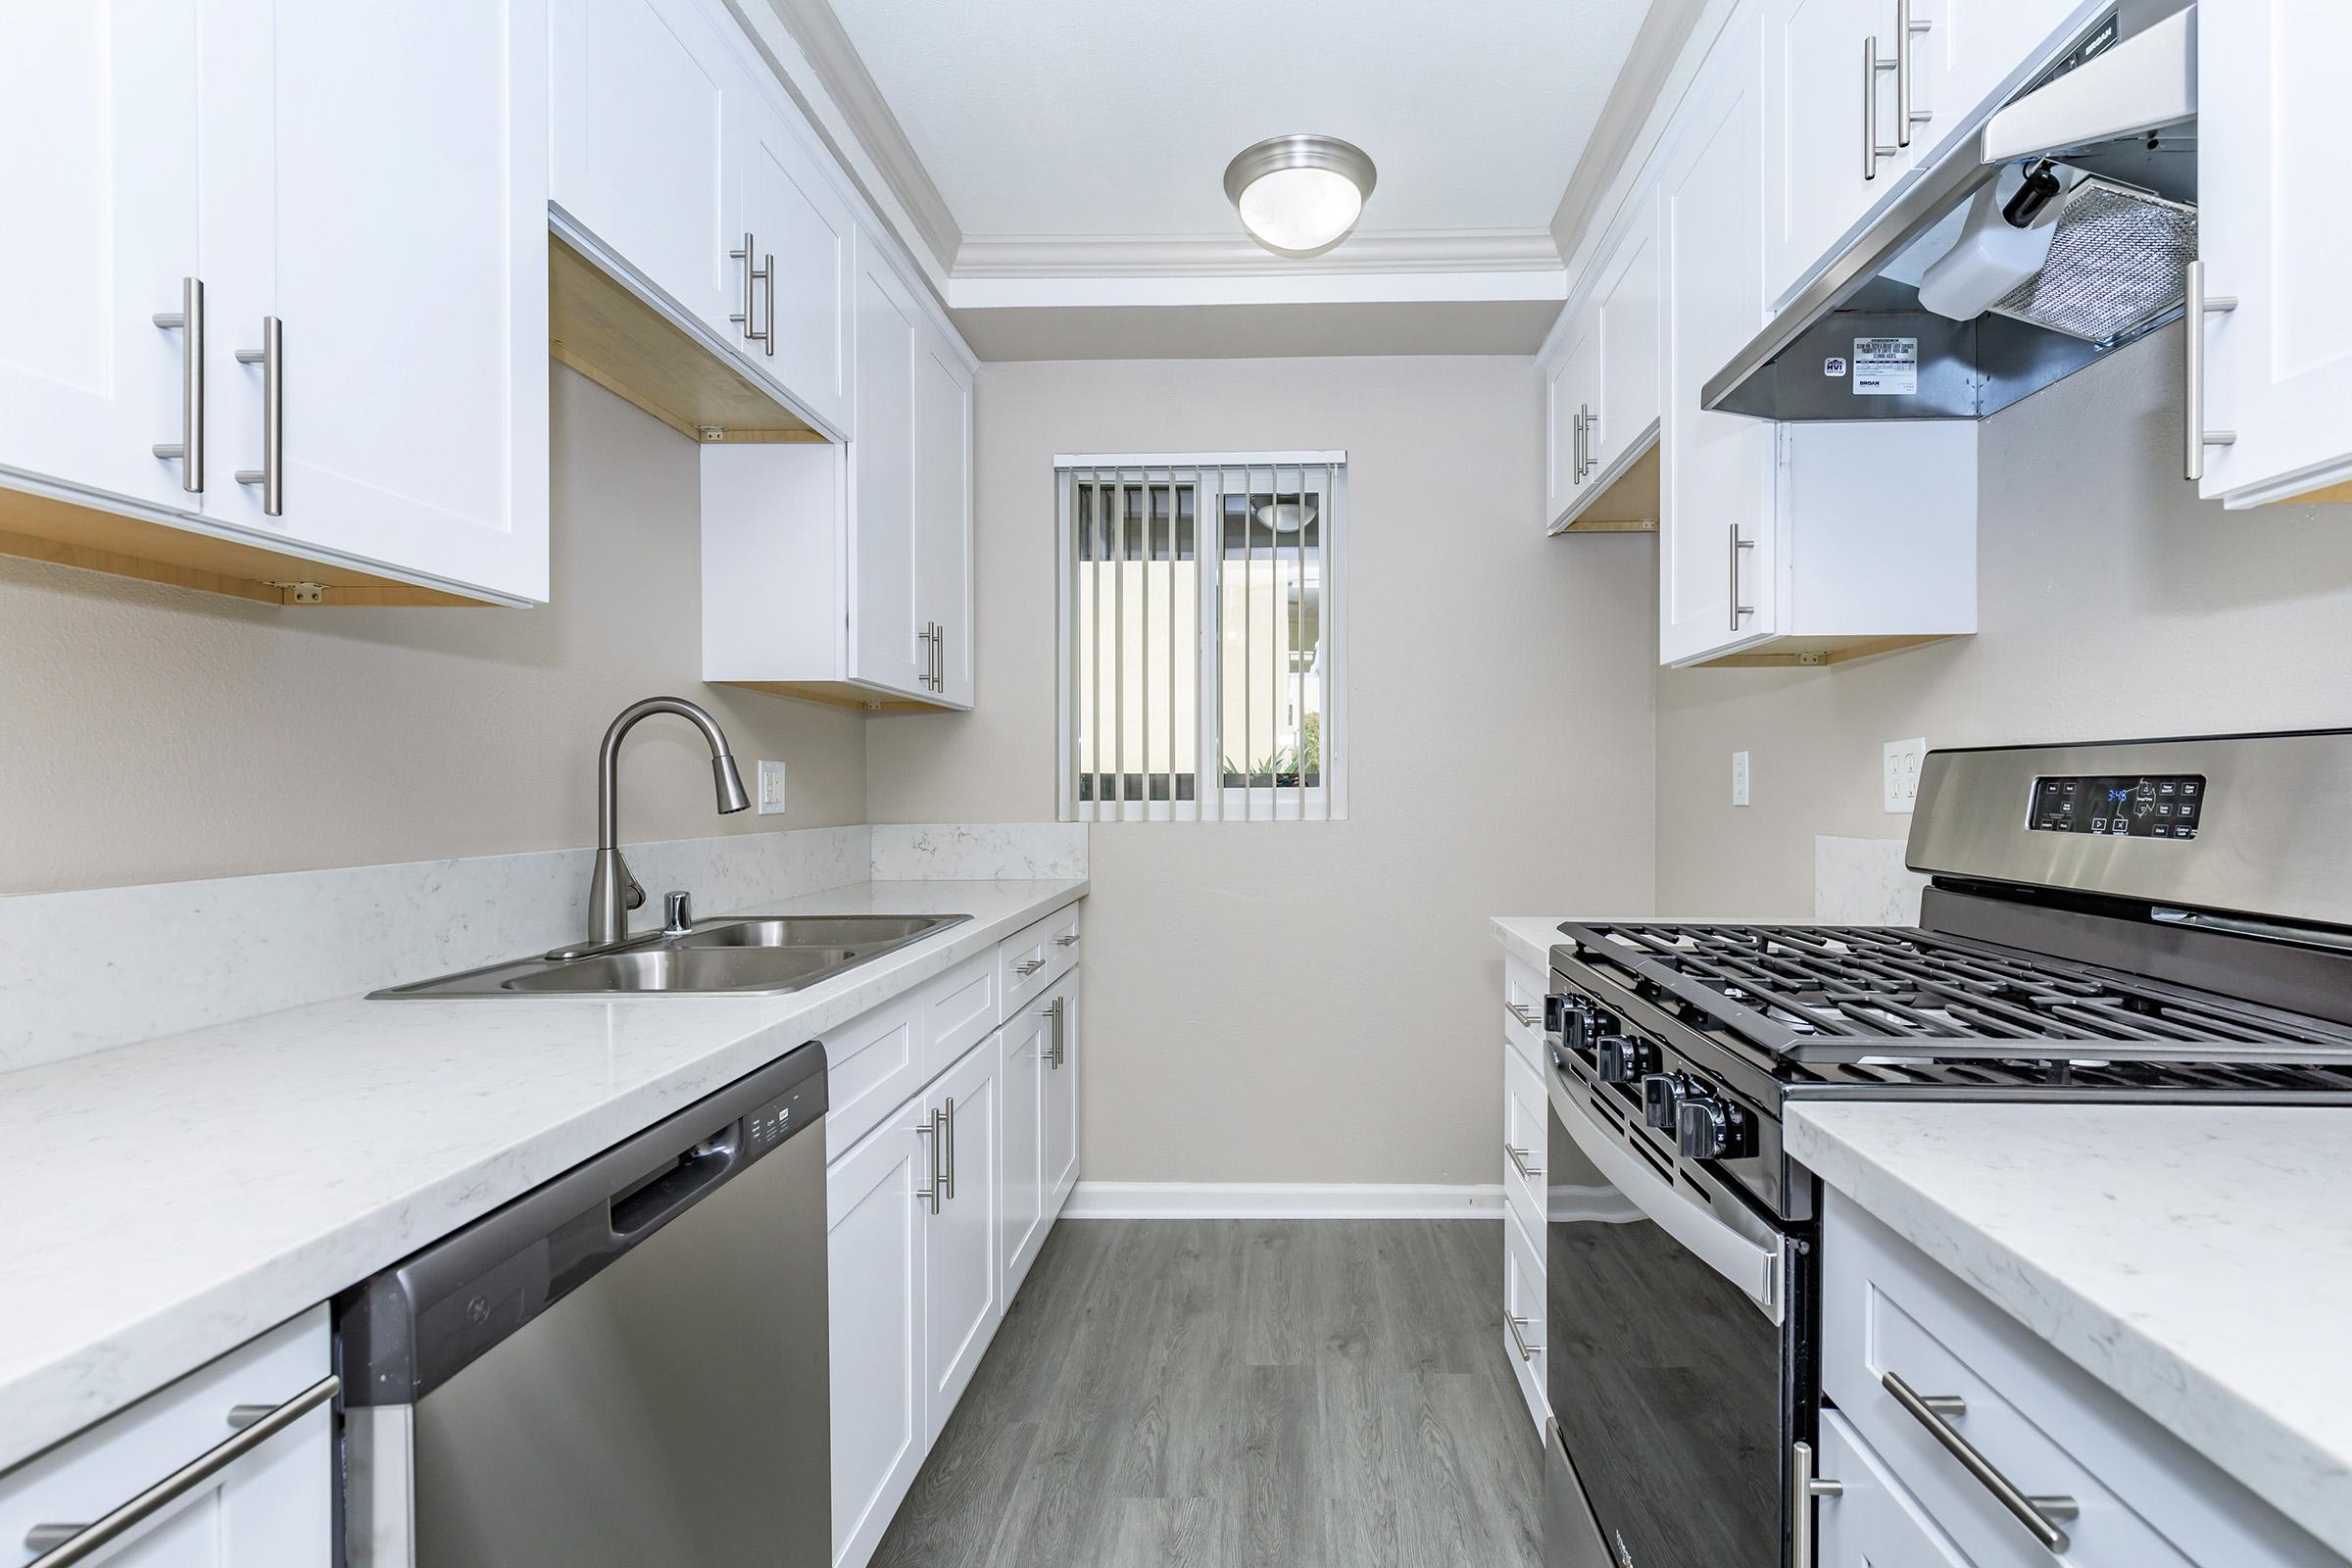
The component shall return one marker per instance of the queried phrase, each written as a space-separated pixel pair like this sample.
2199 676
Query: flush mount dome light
1299 195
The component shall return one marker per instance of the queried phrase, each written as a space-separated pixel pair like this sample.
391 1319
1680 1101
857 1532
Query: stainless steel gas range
2139 920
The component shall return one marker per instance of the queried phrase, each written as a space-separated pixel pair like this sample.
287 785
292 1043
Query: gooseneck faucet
614 892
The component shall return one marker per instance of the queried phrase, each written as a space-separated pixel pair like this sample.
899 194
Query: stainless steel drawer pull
1589 460
1527 1351
189 447
754 274
1906 116
272 474
1518 1158
1070 940
1029 968
929 1130
947 1182
2202 305
1937 1413
1058 1010
1737 609
1803 1490
60 1545
1527 1018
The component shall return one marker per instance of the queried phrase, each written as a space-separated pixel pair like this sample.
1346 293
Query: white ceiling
1113 117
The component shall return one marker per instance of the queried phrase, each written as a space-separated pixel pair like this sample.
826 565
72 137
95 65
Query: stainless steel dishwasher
626 1366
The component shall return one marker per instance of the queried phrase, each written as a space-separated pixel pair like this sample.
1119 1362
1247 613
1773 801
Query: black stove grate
1896 1006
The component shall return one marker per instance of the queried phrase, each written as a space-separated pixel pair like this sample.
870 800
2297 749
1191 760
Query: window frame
1212 475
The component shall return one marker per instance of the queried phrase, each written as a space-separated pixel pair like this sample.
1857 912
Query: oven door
1675 1367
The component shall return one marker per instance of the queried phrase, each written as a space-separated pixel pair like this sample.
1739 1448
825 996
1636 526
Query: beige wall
2113 604
150 733
1317 1001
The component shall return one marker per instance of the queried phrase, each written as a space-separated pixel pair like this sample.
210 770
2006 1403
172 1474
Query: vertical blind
1202 641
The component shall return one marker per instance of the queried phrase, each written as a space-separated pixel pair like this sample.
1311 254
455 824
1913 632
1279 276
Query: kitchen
880 450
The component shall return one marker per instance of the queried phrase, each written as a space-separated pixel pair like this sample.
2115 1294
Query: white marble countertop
173 1199
2196 1259
1529 938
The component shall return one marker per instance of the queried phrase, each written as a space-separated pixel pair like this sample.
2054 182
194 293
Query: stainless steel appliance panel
674 1409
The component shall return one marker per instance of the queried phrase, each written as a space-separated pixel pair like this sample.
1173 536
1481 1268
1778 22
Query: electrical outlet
1739 778
1900 769
771 788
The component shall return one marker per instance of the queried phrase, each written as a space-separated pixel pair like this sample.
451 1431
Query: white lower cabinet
1871 1520
1524 1194
269 1507
935 1215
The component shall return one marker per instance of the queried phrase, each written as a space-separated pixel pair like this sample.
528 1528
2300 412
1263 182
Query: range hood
2106 139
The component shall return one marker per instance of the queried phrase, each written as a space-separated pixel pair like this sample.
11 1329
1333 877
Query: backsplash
86 970
1864 882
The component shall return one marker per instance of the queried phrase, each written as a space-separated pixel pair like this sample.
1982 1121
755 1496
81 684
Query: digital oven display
2122 805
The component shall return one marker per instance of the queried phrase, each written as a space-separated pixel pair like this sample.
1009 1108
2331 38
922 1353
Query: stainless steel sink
752 956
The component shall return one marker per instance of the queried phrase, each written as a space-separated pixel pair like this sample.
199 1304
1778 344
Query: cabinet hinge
1808 659
302 593
710 432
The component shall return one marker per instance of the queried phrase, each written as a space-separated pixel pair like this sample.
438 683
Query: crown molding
1657 48
835 61
1465 250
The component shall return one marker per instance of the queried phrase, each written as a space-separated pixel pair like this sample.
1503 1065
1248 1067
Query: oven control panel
2123 806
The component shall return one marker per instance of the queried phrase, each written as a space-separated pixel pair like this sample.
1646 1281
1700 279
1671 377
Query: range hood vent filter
2116 264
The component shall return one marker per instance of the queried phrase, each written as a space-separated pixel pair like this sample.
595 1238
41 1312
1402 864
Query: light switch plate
1739 778
1899 768
771 788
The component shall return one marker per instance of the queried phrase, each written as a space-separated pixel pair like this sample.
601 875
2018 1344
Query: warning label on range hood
1886 367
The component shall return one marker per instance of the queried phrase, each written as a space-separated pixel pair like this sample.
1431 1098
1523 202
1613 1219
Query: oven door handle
1754 1269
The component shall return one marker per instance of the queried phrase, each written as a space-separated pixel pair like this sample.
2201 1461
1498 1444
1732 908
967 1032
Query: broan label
1886 367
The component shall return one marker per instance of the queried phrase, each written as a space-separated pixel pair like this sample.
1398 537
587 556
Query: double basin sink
741 955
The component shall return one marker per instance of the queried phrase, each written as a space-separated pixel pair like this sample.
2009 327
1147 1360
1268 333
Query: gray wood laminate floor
1308 1393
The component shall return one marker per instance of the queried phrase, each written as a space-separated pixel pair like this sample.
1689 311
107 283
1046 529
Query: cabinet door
799 228
874 1260
397 228
1818 109
942 506
884 621
1975 53
1628 405
98 106
1571 388
1716 533
1874 1522
2274 224
1062 1096
963 1271
639 145
1024 1043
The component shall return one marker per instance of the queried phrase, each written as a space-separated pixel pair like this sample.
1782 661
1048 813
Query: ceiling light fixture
1299 195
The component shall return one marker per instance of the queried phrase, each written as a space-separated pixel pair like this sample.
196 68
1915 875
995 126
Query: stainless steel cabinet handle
1906 116
272 474
1576 449
939 657
767 333
1803 1490
1070 940
753 274
1058 1011
1871 149
948 1183
929 1131
1937 1413
1527 1351
189 447
1527 1019
1592 459
1518 1158
60 1545
2200 306
1029 968
1737 609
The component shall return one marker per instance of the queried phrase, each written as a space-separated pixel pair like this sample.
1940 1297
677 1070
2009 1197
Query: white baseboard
1283 1200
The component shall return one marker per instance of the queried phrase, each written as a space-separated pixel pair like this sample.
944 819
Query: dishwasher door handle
698 1170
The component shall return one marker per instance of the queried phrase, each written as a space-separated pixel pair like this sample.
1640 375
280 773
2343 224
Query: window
1203 643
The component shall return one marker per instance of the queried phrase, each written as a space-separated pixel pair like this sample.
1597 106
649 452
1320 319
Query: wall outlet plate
1899 772
1739 778
771 788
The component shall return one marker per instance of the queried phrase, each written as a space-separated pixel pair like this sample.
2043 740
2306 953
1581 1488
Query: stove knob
1558 1009
1706 1128
1659 1095
1623 1060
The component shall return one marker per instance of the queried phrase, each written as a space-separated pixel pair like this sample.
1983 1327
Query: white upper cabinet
943 512
888 641
642 93
2275 224
799 228
393 219
88 382
1717 566
1970 55
1570 386
1835 140
1627 418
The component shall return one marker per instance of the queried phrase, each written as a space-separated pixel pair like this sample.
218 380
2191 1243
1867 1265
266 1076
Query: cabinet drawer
2142 1499
960 1010
1033 958
1871 1519
1523 987
1523 1139
275 1503
873 1064
1523 1308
